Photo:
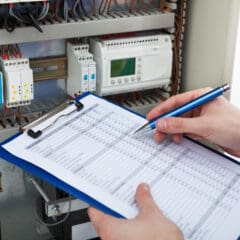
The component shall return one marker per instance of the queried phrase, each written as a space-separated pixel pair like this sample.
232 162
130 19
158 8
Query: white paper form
94 151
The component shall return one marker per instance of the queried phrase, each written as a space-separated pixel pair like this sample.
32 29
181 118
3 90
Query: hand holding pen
217 120
188 106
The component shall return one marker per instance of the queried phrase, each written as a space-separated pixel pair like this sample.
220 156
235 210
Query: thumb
180 125
96 217
144 200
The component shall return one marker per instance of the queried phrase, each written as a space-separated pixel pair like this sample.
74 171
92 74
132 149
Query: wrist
233 144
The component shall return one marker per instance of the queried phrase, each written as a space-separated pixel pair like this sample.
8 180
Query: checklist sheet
95 151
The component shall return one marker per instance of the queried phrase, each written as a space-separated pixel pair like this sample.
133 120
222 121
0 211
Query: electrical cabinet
48 39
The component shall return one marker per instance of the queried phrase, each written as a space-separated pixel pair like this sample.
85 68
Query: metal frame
91 27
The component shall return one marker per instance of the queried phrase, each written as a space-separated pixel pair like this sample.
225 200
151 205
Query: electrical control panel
81 69
131 64
18 82
53 36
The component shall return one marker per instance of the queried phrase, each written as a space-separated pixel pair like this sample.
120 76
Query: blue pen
186 107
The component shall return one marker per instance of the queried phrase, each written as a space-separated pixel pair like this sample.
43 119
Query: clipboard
39 172
44 175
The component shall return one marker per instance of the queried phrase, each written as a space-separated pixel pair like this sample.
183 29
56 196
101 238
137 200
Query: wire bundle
26 15
39 13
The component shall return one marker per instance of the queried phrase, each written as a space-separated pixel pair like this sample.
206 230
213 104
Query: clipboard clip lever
38 133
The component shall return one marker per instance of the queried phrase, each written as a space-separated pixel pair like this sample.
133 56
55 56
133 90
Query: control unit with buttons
132 64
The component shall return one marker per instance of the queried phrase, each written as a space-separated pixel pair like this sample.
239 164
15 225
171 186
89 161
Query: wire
140 6
56 10
109 6
162 4
102 6
65 10
12 51
11 13
149 5
15 52
94 8
44 11
131 5
105 5
19 51
118 7
56 223
76 2
83 9
117 4
176 46
8 51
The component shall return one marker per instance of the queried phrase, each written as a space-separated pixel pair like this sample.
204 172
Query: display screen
123 67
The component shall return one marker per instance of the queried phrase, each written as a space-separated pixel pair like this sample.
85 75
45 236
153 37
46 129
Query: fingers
159 136
177 138
179 125
96 217
144 200
175 101
99 219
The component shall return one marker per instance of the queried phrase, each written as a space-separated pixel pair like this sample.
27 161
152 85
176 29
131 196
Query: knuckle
174 124
172 100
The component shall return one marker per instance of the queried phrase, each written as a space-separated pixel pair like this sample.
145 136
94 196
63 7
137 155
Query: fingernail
145 187
161 124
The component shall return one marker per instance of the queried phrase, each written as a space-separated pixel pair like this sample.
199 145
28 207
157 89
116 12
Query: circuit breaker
81 69
18 82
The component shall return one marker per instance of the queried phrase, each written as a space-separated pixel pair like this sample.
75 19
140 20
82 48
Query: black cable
35 23
83 8
94 8
10 24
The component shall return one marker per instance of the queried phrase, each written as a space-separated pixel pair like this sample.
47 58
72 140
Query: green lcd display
123 67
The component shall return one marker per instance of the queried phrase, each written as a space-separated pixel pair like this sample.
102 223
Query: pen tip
138 130
226 87
144 128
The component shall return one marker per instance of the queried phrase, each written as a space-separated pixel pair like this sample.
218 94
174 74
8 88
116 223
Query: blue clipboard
44 175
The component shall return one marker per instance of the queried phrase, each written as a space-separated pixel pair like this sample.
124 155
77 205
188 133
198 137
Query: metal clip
36 134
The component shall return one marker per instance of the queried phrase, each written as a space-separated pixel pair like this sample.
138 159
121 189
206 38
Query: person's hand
150 223
217 121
